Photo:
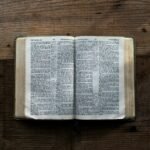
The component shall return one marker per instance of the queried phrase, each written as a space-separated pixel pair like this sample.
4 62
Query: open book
64 77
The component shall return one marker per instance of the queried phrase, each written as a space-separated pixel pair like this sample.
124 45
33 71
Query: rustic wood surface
74 17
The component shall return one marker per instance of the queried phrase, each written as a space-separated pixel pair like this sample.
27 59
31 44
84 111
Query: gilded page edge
129 78
20 78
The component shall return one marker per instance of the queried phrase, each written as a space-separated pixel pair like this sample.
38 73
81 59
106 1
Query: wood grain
74 17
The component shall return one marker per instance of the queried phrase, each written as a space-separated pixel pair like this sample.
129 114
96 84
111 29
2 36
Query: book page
49 77
99 78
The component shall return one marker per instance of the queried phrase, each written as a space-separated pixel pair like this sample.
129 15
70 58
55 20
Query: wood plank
68 17
74 17
121 135
27 134
1 103
78 135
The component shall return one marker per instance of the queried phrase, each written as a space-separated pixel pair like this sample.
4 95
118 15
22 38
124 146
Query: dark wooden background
74 17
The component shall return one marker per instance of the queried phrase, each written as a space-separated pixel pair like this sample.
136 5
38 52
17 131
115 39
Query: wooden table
74 17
